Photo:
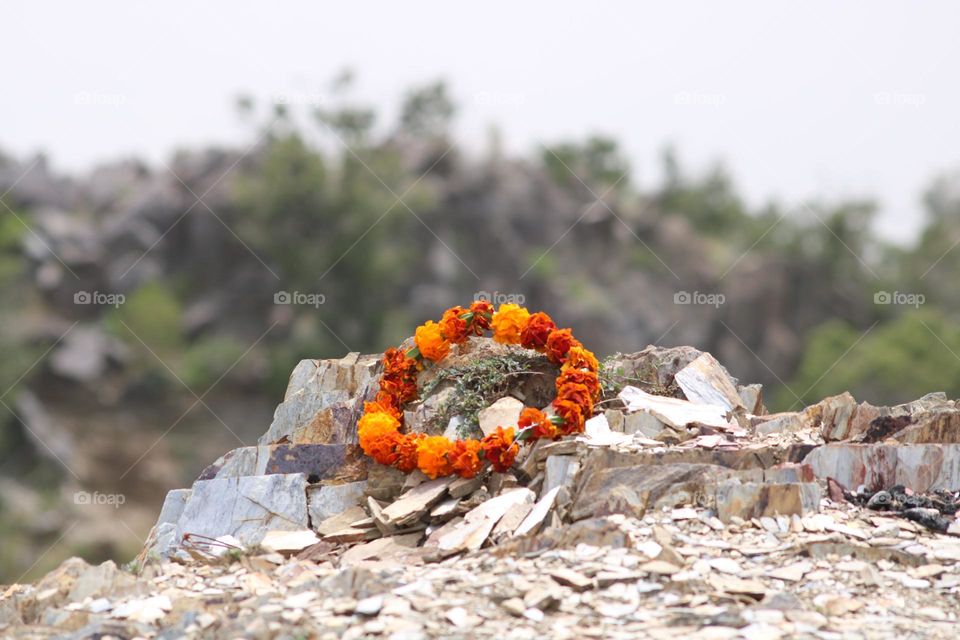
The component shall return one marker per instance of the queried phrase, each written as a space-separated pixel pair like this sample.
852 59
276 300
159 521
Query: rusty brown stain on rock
885 426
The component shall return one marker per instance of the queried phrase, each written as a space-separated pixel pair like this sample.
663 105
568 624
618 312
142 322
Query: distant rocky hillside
154 311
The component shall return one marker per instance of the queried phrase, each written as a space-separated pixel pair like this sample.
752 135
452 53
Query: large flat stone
674 412
324 400
503 413
755 500
246 507
705 381
414 503
342 462
636 489
746 458
921 467
165 531
326 501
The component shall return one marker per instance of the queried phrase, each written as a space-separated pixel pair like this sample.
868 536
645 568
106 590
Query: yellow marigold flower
378 434
433 456
430 341
508 323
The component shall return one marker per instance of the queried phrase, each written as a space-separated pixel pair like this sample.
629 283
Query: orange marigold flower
430 341
535 334
572 414
559 343
579 393
508 322
589 379
539 422
482 311
465 459
407 452
379 435
397 364
401 391
453 327
499 448
433 456
384 449
580 358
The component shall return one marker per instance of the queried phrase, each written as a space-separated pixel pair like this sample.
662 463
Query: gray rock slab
756 500
344 462
165 531
921 467
706 381
324 400
326 501
559 471
246 507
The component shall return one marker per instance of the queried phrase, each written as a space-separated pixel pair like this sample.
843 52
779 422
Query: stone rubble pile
684 508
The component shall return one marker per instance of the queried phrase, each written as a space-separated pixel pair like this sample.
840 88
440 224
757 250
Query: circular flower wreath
578 387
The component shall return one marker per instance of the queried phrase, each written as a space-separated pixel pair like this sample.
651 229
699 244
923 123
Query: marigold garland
578 387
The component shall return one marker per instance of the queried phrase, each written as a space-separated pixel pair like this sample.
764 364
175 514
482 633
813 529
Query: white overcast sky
813 99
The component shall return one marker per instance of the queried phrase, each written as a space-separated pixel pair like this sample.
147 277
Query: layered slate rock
165 531
246 507
343 462
324 400
692 435
922 467
636 489
757 500
841 418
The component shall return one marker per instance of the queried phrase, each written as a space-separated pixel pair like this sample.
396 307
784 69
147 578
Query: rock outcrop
681 492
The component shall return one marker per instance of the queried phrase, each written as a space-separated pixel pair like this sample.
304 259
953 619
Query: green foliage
598 162
476 385
18 354
910 356
428 111
207 359
710 203
614 377
151 314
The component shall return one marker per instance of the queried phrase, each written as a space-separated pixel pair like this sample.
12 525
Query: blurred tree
16 344
598 162
427 111
915 354
349 121
711 203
